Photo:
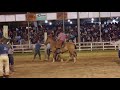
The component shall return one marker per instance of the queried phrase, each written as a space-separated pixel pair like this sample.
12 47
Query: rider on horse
61 38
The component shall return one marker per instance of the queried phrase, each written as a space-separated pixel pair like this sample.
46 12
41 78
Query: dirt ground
95 64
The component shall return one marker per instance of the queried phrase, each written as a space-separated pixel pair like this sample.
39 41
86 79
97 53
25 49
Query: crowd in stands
88 33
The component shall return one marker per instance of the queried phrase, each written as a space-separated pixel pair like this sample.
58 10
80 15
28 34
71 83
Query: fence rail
80 46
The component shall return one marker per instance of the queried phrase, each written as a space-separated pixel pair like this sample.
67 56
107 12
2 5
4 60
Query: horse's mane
3 39
52 37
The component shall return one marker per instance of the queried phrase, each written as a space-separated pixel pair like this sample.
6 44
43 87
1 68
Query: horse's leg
69 57
75 57
53 57
61 58
49 54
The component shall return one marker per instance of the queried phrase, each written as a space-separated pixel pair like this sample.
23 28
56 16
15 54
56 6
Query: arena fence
80 47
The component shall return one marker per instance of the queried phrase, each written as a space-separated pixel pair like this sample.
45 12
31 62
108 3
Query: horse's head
49 39
4 40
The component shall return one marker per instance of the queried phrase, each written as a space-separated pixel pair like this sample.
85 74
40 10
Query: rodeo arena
59 45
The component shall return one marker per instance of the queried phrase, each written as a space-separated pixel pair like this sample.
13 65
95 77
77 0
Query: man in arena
11 58
117 43
37 50
4 60
48 50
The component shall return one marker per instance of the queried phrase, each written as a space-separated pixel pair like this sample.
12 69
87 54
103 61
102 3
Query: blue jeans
11 59
37 52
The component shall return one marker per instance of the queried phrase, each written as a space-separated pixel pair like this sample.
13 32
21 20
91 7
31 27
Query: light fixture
105 23
70 22
114 21
99 23
92 19
46 21
50 23
117 17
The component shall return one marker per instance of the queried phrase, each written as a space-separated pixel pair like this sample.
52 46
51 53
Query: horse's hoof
74 61
53 61
61 60
67 61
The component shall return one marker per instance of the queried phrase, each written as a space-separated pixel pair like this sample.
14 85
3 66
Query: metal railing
80 46
95 46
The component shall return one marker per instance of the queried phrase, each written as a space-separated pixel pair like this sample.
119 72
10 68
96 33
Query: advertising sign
41 16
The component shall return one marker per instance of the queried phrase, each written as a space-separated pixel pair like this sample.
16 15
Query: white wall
10 18
51 16
104 14
72 15
20 17
93 14
84 15
115 14
2 18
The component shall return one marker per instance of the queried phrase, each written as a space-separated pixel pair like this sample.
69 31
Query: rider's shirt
62 36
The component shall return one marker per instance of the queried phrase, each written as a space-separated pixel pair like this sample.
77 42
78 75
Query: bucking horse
67 47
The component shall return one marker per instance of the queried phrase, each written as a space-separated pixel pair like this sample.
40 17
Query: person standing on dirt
11 58
117 43
4 60
37 50
48 50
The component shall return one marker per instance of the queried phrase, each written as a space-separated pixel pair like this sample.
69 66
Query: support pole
63 21
100 28
28 22
78 22
45 47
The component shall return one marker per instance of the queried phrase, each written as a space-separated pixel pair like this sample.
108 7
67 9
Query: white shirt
48 46
116 43
10 51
